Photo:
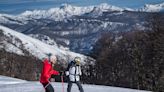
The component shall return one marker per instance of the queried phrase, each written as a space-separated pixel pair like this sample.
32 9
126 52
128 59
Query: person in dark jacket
74 72
46 73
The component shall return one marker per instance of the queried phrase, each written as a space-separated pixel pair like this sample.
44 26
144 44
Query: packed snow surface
35 86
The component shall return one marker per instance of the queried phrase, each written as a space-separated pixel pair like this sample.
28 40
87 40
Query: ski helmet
77 60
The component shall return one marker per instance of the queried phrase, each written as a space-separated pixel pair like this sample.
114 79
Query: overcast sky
18 6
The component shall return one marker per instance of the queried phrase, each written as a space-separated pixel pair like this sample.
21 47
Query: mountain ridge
36 47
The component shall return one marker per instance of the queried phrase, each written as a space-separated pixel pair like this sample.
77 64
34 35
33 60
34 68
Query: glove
61 73
67 73
52 76
52 79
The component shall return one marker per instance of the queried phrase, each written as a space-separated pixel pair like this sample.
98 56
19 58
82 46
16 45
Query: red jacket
47 71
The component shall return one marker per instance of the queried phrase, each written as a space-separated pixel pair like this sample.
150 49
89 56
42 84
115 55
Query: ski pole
62 82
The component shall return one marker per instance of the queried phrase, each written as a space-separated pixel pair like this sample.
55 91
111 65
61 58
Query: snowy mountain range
66 11
58 14
17 42
78 28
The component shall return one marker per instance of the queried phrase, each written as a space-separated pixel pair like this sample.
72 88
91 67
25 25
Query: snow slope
36 47
34 86
8 80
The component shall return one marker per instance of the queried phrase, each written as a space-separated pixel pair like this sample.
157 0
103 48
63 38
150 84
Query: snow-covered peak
104 7
153 7
38 48
58 13
67 7
107 7
66 11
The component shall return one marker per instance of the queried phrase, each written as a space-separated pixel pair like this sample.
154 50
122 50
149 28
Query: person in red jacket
46 73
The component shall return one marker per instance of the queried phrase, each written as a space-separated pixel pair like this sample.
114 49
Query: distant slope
19 41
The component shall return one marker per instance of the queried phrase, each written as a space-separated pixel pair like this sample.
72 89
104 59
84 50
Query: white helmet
53 59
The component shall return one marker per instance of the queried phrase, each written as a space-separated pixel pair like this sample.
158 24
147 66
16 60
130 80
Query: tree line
133 59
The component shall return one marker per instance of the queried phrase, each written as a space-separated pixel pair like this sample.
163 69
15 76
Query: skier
74 72
46 73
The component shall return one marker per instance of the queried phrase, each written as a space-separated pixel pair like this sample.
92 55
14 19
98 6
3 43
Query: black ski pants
48 87
77 83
